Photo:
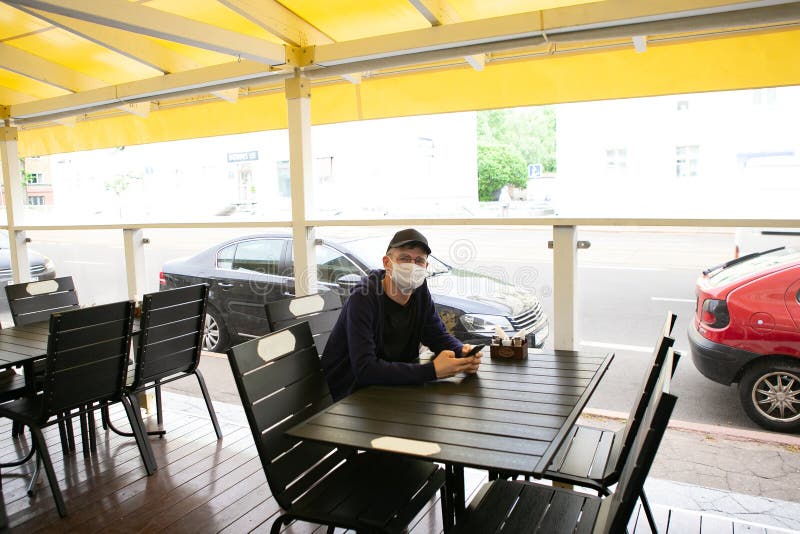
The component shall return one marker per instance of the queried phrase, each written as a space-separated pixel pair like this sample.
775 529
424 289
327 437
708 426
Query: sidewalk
747 475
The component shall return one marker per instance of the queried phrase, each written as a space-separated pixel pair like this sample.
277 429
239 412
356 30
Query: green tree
499 165
532 131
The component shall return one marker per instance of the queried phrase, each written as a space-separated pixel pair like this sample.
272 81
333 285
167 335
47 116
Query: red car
746 329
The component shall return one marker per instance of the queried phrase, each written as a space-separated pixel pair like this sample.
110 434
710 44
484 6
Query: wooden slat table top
512 415
22 344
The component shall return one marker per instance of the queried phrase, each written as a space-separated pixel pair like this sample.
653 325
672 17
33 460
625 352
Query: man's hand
446 364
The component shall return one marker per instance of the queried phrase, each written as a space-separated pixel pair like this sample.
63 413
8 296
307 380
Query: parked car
749 240
746 329
42 267
245 273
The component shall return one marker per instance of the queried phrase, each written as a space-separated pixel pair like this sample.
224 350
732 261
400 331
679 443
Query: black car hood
477 293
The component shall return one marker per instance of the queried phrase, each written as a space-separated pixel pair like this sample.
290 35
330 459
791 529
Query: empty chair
87 358
593 457
280 381
320 310
32 302
170 343
511 507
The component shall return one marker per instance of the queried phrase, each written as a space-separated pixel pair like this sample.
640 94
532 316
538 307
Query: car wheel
215 338
770 394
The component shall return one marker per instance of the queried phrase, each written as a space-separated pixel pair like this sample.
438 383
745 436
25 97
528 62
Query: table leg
455 491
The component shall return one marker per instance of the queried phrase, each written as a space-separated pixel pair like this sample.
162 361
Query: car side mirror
348 280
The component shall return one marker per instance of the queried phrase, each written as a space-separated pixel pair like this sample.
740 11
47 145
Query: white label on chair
40 288
306 305
408 446
276 345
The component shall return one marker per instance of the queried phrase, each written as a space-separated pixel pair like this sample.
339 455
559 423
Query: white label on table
409 446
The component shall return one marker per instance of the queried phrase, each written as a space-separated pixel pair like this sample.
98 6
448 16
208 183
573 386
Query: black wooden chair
87 359
280 381
512 506
32 302
593 457
169 346
321 310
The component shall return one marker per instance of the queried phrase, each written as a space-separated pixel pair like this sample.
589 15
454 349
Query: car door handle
221 284
287 294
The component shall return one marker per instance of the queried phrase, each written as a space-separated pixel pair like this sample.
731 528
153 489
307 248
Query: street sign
236 157
534 170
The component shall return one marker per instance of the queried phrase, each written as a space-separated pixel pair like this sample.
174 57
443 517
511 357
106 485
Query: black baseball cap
407 237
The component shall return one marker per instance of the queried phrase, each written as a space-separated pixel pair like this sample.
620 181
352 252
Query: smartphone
475 350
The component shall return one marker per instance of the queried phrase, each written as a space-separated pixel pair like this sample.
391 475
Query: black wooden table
512 416
21 345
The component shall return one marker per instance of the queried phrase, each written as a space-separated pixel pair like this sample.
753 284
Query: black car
42 267
245 273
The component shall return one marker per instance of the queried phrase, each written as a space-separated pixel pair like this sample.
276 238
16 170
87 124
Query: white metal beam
125 15
279 21
298 99
146 51
181 83
439 12
14 198
135 266
45 71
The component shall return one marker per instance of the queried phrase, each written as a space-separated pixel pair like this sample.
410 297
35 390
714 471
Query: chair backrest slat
616 510
32 302
171 336
320 311
646 390
87 356
280 381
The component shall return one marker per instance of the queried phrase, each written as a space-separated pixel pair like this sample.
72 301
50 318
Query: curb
741 434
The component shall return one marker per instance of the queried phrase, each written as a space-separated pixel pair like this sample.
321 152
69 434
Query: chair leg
37 469
210 406
104 417
70 431
84 434
41 447
447 510
277 524
92 429
62 431
159 413
648 512
131 405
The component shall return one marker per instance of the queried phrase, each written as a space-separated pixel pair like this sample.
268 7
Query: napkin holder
509 352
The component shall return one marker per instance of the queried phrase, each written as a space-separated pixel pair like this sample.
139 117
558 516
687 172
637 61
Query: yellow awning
80 75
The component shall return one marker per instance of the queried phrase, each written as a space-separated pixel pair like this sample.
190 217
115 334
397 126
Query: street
627 281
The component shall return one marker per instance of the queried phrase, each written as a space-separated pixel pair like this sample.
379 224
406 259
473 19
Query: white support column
14 198
565 263
298 98
133 239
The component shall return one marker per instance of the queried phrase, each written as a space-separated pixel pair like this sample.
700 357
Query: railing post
14 200
565 263
134 262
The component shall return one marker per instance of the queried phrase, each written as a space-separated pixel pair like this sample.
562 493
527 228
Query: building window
686 160
34 178
284 179
616 159
323 169
37 200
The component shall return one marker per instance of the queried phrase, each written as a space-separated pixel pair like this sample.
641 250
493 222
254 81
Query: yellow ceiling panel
344 20
479 9
204 58
14 22
213 13
69 50
32 88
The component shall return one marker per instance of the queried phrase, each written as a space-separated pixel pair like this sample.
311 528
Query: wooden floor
202 485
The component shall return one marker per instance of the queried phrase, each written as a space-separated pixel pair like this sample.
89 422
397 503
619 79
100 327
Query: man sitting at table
388 314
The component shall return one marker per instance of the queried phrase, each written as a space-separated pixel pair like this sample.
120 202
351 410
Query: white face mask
408 276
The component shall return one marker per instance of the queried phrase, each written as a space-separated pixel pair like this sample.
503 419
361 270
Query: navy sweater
354 356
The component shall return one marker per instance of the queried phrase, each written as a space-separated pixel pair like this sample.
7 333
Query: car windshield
371 250
777 258
4 239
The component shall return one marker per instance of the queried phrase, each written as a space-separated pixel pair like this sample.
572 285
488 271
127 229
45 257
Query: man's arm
434 335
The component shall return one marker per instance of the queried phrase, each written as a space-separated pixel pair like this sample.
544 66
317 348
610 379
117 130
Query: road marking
667 299
621 268
87 262
616 346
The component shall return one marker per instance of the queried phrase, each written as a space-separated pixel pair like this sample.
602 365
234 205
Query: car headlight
474 322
